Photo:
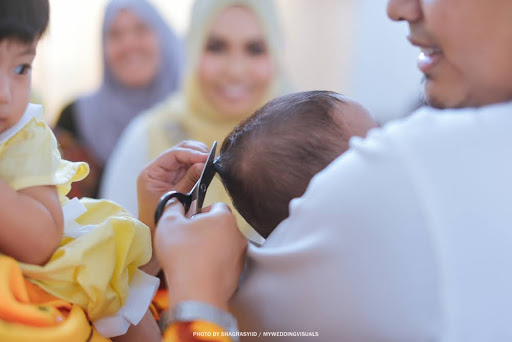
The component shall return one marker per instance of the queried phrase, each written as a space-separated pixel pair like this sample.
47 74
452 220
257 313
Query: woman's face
132 50
235 70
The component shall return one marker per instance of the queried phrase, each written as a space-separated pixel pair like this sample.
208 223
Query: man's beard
437 103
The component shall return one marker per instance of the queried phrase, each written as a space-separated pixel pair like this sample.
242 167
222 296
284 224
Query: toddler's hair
270 158
23 20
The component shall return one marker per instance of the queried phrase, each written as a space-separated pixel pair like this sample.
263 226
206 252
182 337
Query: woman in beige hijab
233 68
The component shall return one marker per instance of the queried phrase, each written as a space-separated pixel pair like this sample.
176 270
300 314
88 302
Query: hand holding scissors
198 192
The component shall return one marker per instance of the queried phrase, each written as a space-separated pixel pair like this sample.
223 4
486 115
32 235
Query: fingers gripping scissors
197 193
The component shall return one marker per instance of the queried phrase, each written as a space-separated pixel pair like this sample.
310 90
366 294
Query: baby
270 158
86 252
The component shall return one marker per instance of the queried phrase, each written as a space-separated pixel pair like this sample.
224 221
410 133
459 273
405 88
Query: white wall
352 47
383 67
318 33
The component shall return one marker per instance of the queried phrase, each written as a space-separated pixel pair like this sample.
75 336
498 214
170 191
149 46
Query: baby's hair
270 158
23 20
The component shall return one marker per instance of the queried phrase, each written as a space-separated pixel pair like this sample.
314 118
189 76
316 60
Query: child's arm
31 223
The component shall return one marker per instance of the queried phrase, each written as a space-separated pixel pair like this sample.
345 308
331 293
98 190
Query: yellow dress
96 264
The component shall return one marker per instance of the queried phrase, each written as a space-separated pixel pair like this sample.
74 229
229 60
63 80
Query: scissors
197 193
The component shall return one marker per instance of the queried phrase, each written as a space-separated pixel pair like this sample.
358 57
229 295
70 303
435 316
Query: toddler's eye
22 69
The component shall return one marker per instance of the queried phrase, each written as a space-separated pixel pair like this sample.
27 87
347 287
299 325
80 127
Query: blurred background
349 46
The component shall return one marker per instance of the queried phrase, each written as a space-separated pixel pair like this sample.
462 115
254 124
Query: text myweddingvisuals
256 333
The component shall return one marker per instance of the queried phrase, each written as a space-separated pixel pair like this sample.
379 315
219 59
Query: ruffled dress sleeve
29 156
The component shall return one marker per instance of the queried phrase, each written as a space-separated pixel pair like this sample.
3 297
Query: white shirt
405 237
128 159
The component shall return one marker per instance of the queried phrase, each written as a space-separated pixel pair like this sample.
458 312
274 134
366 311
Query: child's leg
147 330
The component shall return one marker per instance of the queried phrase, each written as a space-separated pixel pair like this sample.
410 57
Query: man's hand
176 169
202 257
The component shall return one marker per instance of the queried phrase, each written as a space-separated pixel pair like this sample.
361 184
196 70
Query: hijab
189 111
103 115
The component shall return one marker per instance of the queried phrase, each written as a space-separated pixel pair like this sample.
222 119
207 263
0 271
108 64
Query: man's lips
430 55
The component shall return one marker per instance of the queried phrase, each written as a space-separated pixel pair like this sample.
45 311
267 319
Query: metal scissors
197 193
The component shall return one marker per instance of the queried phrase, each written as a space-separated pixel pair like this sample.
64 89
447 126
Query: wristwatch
188 311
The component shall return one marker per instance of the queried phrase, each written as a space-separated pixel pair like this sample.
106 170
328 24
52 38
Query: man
407 236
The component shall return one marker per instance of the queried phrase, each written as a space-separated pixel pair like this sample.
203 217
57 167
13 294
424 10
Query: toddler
86 252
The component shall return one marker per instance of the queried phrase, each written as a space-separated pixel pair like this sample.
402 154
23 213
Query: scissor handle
185 199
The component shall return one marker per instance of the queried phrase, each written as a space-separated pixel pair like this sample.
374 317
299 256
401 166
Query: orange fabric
75 327
160 303
28 313
37 295
15 299
197 331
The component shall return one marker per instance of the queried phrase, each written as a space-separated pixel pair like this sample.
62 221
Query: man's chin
442 103
437 96
434 102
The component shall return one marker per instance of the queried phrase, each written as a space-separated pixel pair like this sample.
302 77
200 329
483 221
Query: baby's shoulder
35 134
30 129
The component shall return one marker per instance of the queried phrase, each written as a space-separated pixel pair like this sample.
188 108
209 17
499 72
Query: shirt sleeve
355 253
119 183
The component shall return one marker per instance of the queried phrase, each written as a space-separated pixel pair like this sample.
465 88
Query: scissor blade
206 178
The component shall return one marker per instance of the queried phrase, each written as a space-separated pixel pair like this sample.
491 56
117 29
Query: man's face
466 48
15 79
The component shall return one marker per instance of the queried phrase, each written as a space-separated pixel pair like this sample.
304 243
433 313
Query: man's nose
408 10
5 91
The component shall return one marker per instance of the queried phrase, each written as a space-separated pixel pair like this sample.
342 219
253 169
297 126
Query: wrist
152 267
196 290
190 311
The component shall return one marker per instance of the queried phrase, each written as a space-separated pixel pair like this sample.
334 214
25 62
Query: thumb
217 208
190 178
174 211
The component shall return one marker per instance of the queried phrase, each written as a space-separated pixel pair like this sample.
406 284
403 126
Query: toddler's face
15 80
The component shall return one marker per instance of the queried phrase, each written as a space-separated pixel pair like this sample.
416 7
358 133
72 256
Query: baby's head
22 23
270 158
